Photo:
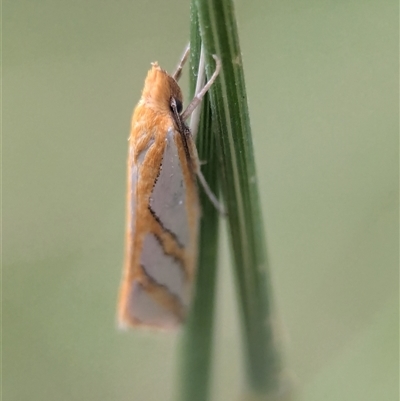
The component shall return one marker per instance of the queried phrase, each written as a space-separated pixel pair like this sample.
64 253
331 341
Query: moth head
160 88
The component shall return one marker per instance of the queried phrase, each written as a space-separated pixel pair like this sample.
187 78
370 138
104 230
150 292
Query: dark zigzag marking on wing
172 234
164 287
159 172
175 258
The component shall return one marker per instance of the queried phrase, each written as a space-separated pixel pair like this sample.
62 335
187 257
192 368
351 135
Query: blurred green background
322 80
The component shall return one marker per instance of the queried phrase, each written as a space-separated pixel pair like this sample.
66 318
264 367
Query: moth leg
201 78
199 95
201 90
196 166
210 194
178 71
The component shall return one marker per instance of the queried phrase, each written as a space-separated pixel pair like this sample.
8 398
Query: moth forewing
162 211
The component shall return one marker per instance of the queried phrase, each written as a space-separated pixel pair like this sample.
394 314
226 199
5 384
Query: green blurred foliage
322 80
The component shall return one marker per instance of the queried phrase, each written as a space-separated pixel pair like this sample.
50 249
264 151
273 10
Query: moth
163 208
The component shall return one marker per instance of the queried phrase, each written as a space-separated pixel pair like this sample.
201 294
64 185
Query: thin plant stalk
197 338
238 182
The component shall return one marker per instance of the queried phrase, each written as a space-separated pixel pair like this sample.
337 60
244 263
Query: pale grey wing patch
163 269
145 309
167 200
142 154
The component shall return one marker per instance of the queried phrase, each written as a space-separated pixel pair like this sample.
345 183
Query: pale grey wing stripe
163 269
168 199
134 177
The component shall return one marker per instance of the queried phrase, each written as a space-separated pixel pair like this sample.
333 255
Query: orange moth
163 208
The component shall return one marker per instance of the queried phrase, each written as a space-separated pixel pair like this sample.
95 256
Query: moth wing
163 299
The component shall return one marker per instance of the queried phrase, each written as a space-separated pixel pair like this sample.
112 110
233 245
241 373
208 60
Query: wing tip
133 312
